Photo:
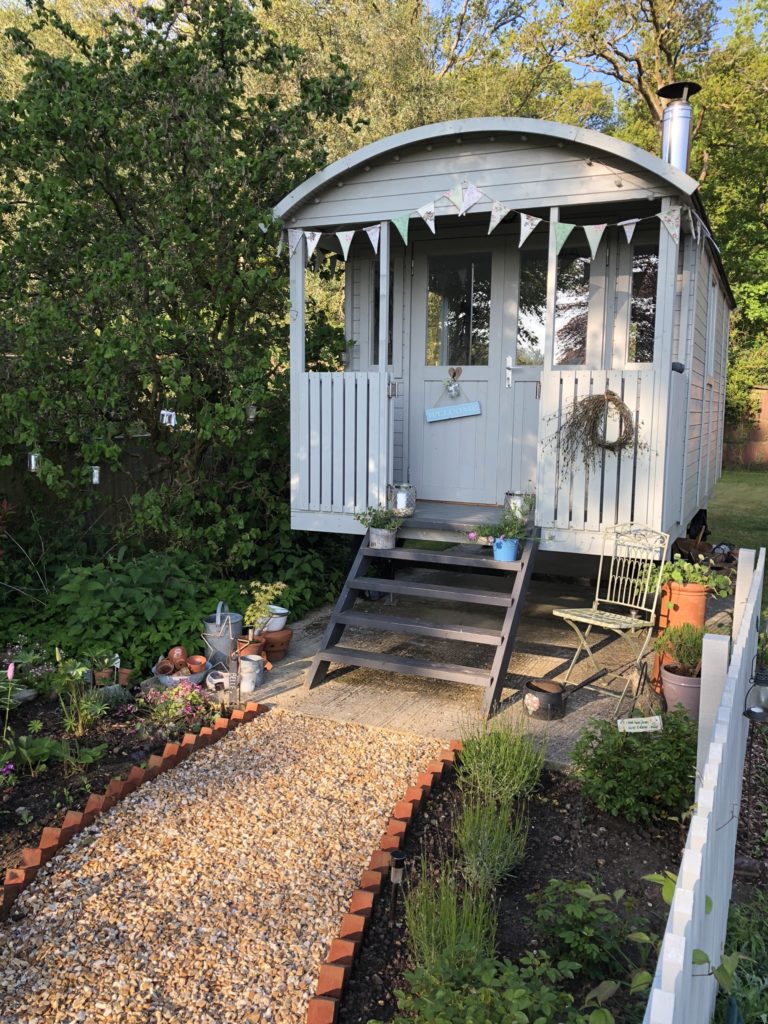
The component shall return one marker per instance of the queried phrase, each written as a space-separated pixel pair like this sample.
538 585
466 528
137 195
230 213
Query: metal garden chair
626 596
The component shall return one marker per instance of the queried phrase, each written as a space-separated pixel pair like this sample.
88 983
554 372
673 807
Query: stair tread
420 627
441 591
406 666
484 560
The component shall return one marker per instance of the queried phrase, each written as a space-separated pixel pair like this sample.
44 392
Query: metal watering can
220 633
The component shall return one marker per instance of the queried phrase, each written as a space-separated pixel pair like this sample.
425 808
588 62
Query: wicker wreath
583 428
610 400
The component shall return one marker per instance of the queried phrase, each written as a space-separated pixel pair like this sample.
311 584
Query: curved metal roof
486 126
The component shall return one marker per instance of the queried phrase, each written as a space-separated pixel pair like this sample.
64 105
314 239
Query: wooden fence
342 443
684 992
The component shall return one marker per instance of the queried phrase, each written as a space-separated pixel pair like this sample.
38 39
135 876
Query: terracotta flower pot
103 676
124 676
682 602
246 646
276 644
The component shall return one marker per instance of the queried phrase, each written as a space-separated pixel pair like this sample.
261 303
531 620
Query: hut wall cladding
746 444
531 174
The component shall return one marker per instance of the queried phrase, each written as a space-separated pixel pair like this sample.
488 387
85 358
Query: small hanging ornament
168 417
250 413
95 475
33 462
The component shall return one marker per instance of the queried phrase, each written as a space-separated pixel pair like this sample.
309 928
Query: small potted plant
261 613
681 675
684 589
382 524
505 536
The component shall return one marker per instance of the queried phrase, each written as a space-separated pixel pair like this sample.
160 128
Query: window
458 310
642 310
532 309
572 306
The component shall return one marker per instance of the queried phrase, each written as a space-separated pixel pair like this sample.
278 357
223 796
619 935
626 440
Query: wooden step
481 560
418 627
467 595
405 666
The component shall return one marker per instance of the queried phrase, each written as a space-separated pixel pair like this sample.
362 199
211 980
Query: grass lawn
738 513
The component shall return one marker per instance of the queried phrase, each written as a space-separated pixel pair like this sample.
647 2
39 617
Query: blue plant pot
506 550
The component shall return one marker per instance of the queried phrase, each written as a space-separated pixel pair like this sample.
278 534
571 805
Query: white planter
382 538
277 620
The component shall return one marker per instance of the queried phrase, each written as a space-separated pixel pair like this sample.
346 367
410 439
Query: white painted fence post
744 572
714 668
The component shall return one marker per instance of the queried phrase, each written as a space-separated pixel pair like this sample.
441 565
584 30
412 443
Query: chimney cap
678 90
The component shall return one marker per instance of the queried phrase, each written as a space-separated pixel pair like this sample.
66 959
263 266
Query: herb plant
82 705
513 525
681 571
638 776
500 761
379 518
185 705
683 645
490 841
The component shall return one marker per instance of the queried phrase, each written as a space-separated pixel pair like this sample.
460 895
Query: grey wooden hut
546 263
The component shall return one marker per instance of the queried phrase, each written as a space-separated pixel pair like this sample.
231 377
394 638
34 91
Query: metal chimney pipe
676 123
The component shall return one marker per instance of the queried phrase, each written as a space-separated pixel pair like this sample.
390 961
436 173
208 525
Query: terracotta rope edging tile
53 839
334 973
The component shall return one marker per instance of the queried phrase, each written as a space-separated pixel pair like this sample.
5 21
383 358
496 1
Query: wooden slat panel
406 666
337 497
469 595
382 429
373 439
586 383
568 393
546 467
594 517
350 442
361 443
300 445
417 627
327 451
315 440
613 380
449 558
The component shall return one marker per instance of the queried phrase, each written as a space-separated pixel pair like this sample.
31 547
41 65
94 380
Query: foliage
638 776
262 596
748 936
185 704
490 841
31 754
445 923
574 922
762 651
379 518
681 571
683 644
135 171
482 990
82 705
513 525
500 761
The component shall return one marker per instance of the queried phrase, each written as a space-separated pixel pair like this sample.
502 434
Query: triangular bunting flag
345 237
312 237
629 227
594 233
373 234
401 223
498 212
671 221
295 235
456 196
427 214
472 195
527 225
281 245
562 231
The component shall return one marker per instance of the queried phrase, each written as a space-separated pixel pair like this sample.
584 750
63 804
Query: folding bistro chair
625 601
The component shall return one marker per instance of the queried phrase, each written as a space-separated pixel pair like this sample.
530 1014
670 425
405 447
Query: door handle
508 372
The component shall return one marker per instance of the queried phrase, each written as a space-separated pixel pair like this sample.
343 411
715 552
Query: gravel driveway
211 894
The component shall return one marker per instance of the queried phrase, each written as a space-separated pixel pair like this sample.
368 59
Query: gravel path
210 894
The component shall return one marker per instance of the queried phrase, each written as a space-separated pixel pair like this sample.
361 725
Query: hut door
456 323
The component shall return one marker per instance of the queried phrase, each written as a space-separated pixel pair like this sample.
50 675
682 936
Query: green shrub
444 923
487 991
490 840
748 936
500 761
638 776
574 922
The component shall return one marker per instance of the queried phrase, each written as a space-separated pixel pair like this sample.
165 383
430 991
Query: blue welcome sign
452 412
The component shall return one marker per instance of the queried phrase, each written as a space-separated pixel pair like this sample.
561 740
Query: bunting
527 225
312 237
456 196
594 233
401 223
562 231
472 196
345 237
498 212
629 227
671 221
427 214
373 233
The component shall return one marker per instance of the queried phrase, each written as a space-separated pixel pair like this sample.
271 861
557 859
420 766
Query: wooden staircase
475 567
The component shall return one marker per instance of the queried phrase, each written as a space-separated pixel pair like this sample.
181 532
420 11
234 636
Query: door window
532 309
572 306
458 310
642 311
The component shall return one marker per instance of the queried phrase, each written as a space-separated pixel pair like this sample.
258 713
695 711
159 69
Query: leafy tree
138 270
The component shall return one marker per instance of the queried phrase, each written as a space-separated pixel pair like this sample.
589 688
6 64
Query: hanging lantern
250 413
33 462
95 475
